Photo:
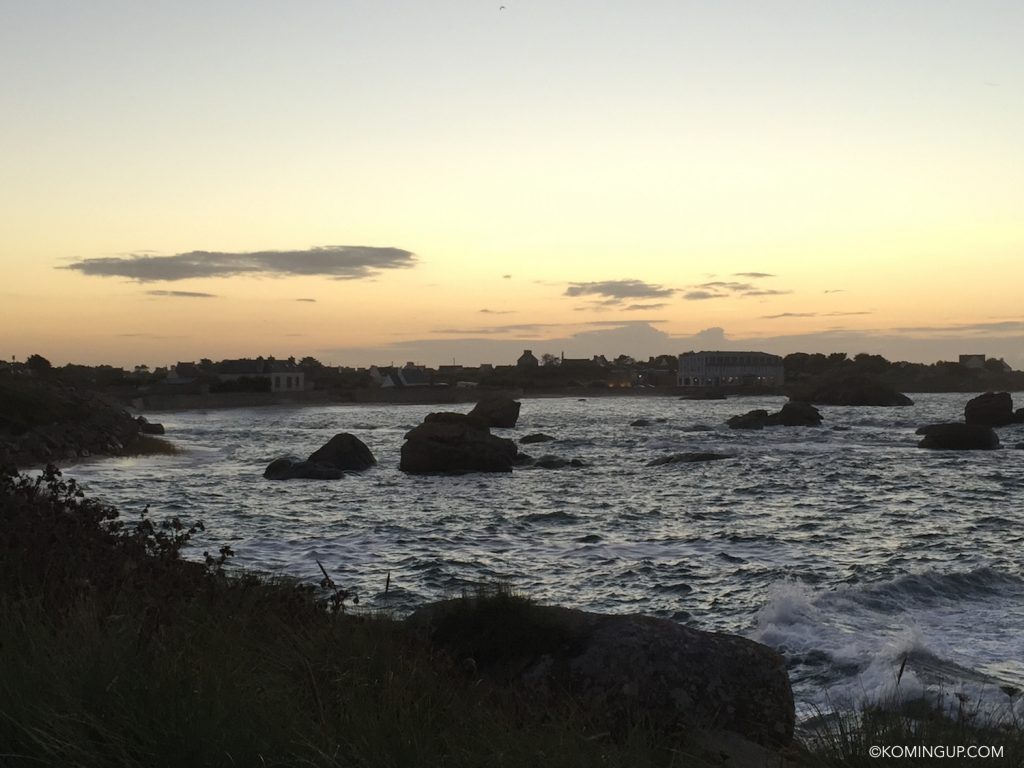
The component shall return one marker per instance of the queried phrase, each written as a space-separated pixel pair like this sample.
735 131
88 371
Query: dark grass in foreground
115 652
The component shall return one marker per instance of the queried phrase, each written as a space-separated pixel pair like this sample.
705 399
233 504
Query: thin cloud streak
183 294
341 262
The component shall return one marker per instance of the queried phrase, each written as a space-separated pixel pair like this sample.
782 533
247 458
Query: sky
369 182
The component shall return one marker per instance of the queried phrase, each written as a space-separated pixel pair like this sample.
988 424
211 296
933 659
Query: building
283 376
977 362
409 376
730 369
527 360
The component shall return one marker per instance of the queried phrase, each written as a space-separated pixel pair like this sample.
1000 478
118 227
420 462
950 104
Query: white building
730 369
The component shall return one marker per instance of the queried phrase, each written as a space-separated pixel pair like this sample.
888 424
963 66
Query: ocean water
845 546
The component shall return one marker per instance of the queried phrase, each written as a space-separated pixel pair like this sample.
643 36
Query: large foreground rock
958 437
343 452
500 412
850 390
993 409
617 666
455 442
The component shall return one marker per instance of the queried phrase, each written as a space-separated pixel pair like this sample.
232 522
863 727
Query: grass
115 652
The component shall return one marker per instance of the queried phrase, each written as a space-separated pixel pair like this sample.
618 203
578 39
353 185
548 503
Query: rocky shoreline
48 422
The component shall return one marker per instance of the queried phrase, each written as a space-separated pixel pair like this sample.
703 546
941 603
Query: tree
548 359
38 364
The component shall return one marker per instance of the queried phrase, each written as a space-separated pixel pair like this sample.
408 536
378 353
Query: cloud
341 262
497 311
617 290
837 290
183 294
813 314
765 293
753 275
702 295
311 301
637 307
718 285
506 277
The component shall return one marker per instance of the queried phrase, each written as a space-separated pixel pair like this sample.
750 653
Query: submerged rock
537 437
958 437
500 412
674 675
455 443
549 461
688 458
640 423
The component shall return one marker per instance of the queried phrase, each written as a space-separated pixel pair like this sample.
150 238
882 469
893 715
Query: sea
878 569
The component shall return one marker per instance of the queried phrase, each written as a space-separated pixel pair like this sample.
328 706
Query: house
975 362
282 375
732 369
527 360
408 376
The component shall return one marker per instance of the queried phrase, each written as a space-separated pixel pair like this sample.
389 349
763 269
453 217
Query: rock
849 390
538 437
640 423
1018 416
455 442
686 458
993 409
344 451
793 414
958 437
796 414
497 412
329 462
294 468
147 427
549 461
672 675
750 420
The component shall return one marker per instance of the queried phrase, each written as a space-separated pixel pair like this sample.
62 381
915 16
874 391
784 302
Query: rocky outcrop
793 414
689 458
502 412
537 437
46 421
958 437
849 390
615 666
343 452
147 427
455 443
640 423
756 419
993 409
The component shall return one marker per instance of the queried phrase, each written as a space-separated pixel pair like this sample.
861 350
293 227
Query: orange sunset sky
368 182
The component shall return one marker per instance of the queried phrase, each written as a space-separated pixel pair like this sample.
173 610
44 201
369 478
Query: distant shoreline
403 396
